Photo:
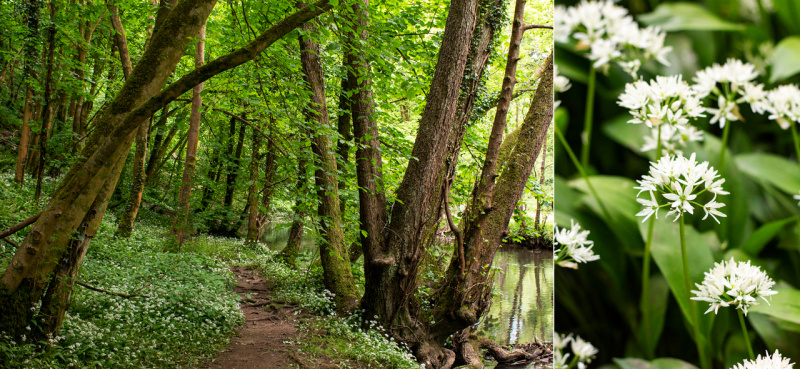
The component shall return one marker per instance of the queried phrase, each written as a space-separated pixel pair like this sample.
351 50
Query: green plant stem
573 362
746 336
725 132
796 141
645 301
577 164
586 136
698 338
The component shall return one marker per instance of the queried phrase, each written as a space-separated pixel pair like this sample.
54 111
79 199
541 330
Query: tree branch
528 27
109 292
18 227
457 232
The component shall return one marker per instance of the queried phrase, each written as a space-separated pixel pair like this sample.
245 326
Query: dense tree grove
406 131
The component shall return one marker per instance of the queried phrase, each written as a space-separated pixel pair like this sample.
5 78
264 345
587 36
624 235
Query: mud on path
269 337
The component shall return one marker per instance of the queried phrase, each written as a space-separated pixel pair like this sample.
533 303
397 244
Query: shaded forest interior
407 138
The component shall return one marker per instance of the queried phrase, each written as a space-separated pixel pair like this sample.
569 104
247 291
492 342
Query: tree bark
181 227
541 184
337 276
24 138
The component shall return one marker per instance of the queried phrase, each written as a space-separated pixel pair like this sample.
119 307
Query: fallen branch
504 356
19 226
12 243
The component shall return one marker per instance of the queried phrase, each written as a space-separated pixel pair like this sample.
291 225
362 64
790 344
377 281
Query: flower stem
577 164
698 338
573 362
645 301
746 336
586 136
796 140
725 132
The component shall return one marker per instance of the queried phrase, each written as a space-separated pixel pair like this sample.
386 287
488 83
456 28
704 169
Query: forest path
270 335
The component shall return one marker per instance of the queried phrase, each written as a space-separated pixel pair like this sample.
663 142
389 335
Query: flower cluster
576 247
776 361
663 100
731 84
731 283
783 105
609 34
582 350
680 180
673 138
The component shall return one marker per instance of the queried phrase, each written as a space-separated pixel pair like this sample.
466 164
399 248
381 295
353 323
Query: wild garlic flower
776 361
797 197
609 34
575 246
734 283
561 84
730 84
783 105
583 350
663 100
680 181
673 138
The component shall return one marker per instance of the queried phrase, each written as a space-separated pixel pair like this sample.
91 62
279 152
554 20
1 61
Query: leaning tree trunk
337 276
29 272
181 226
252 193
465 295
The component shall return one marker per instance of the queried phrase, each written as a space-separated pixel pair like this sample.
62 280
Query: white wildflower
610 34
680 181
783 105
585 351
776 361
663 100
561 84
734 283
673 138
575 246
731 84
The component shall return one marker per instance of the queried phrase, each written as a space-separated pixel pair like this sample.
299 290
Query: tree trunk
47 118
28 273
337 276
252 193
181 227
292 248
461 304
32 21
128 218
233 167
541 184
269 187
393 270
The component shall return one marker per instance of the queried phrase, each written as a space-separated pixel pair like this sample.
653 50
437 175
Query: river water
522 306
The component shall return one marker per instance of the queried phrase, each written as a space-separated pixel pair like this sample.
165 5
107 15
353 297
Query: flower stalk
586 136
746 336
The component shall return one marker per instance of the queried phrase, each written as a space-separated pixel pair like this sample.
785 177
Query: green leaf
785 62
687 17
631 363
659 293
784 306
773 169
670 363
619 197
626 134
756 242
774 336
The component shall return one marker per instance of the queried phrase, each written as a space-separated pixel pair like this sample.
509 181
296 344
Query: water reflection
522 308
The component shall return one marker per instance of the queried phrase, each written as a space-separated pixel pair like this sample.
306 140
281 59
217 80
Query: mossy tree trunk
30 271
32 22
181 227
337 276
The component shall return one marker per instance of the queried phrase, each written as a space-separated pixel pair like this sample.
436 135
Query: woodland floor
270 337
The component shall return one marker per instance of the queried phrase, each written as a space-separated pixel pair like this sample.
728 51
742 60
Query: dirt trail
268 339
